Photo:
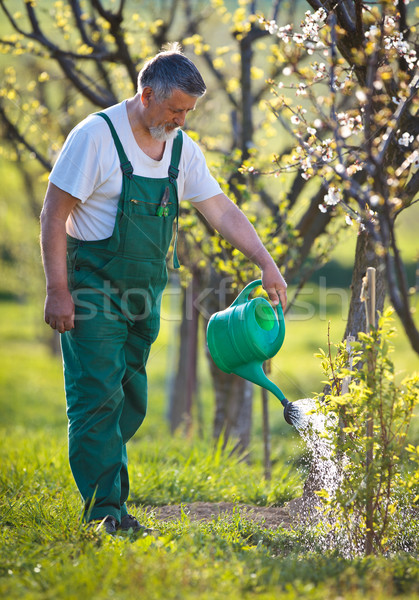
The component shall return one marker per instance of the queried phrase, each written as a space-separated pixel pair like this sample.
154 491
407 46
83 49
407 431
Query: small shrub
366 428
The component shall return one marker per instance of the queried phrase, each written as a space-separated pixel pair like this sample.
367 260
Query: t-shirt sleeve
77 169
199 183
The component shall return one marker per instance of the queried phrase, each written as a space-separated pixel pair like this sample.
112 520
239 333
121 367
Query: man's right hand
59 310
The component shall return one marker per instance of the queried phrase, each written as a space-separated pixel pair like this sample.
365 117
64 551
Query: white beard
161 134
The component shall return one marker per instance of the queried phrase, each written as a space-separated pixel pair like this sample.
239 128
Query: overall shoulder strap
126 166
173 175
175 158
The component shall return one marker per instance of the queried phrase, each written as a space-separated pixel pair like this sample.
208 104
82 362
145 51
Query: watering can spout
254 372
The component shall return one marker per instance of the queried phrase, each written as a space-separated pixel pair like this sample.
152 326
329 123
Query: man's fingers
283 297
277 297
69 324
60 325
273 296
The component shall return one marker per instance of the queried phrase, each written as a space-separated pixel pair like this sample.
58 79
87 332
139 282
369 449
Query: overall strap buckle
173 174
127 169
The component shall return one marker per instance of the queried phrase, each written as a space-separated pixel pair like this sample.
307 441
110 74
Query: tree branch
115 20
397 286
411 189
359 26
101 97
14 134
275 10
392 128
221 79
75 6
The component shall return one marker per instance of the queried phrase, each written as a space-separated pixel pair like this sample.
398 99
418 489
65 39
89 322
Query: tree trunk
233 408
365 256
183 391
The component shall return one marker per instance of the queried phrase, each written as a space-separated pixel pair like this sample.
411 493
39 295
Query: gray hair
171 70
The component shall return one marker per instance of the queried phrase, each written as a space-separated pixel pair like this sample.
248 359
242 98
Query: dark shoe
109 524
130 523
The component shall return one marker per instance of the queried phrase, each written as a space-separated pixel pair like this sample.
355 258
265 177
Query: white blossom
345 131
361 96
301 90
406 139
333 196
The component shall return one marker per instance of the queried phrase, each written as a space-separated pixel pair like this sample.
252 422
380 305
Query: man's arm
235 227
59 306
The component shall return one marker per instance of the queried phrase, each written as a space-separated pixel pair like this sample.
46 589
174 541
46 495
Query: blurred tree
83 55
352 70
356 130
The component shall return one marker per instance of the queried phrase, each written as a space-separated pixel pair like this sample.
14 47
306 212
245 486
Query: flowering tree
353 71
78 56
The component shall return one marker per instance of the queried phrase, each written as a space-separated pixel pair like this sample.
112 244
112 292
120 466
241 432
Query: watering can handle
244 296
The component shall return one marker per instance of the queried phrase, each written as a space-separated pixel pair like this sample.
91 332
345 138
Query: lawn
47 554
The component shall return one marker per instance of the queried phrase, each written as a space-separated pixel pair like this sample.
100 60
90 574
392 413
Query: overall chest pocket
150 216
147 208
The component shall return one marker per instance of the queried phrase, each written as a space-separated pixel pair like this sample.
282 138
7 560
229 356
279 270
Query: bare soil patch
268 517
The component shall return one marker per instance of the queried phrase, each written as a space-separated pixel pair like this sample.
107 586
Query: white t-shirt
88 168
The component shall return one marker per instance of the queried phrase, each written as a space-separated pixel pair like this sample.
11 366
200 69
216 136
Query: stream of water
326 474
312 425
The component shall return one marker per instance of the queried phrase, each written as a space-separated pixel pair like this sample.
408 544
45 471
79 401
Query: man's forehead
180 99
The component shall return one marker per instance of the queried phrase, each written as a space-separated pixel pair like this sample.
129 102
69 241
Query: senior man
106 226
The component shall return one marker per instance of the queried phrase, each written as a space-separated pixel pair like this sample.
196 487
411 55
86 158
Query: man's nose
180 119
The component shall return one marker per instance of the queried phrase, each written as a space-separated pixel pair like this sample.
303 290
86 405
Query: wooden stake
368 296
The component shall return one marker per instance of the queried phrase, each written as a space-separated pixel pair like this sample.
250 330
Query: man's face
164 118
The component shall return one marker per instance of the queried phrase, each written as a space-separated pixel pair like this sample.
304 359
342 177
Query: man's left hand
274 285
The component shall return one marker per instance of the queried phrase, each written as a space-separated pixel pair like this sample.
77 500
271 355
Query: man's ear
146 96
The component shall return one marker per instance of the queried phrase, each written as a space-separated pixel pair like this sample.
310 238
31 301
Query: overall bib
116 284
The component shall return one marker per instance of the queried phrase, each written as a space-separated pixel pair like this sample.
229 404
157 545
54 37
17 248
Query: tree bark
365 256
183 391
233 408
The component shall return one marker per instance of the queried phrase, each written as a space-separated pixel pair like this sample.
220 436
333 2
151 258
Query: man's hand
59 310
274 285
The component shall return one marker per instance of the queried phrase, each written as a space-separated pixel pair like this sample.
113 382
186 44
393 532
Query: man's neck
150 146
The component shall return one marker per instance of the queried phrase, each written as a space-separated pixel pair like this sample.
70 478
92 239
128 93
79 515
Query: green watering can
244 335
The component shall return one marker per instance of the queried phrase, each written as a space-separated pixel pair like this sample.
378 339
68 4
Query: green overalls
116 284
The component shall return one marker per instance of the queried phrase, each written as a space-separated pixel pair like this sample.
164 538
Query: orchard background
310 124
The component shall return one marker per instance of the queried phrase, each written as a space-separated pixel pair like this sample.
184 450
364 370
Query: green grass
46 553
